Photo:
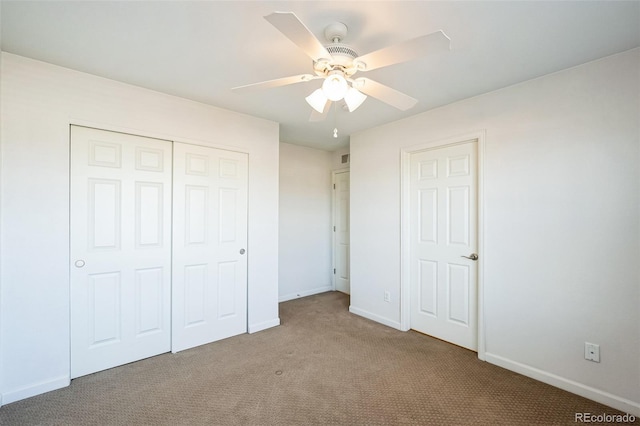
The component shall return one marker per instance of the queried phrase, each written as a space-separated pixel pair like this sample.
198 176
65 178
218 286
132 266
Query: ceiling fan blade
289 25
320 116
277 82
385 93
405 51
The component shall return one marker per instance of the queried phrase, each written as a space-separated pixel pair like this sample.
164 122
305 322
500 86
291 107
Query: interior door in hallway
443 243
341 231
120 249
209 245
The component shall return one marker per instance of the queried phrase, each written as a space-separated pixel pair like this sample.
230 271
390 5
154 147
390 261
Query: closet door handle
242 251
472 257
79 263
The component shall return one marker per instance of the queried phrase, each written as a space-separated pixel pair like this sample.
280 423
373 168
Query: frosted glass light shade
354 98
317 100
335 87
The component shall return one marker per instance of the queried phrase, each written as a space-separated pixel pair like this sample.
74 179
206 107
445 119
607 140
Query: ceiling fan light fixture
354 98
317 100
335 87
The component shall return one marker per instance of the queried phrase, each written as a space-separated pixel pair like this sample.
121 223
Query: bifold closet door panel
209 245
120 248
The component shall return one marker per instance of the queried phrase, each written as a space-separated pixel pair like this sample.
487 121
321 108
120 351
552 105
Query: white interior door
120 249
209 245
341 231
443 228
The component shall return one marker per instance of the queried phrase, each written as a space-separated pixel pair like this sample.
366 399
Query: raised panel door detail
226 289
343 255
104 214
459 215
196 214
228 213
105 297
197 165
427 169
458 165
428 285
344 212
428 211
149 214
149 306
195 283
149 159
228 168
458 294
105 154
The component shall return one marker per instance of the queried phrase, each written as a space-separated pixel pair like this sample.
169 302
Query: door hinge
334 271
334 229
334 186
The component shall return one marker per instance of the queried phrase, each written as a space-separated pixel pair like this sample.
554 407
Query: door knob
242 251
79 263
472 257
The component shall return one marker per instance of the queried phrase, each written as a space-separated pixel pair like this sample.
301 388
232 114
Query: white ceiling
199 50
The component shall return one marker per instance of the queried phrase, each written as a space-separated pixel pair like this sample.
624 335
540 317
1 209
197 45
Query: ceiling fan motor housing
342 57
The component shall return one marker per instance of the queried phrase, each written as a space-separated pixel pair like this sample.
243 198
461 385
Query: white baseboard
254 328
35 389
305 293
375 317
588 392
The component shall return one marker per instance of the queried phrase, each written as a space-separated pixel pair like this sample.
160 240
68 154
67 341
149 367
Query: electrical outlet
387 296
591 352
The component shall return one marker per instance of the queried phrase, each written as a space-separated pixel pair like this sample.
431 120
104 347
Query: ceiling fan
337 64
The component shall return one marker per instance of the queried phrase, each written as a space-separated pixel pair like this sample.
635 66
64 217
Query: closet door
209 245
120 248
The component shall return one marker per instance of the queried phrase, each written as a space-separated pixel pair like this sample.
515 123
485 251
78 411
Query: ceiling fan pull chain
335 120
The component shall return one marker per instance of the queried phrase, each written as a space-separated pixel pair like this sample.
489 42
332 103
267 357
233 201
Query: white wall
305 221
38 102
561 223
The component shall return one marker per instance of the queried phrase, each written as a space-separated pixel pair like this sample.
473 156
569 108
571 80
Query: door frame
405 244
334 173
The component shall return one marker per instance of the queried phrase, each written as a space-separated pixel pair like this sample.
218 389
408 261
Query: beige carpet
322 366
